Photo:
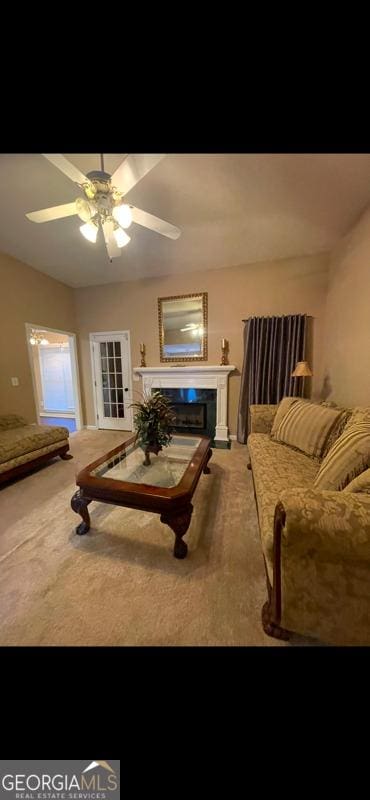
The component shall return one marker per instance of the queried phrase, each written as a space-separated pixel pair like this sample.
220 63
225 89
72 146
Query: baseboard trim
91 427
232 436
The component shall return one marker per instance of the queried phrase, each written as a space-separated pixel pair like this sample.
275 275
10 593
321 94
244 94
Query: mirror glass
183 327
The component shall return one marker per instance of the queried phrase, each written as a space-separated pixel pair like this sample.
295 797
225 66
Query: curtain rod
280 316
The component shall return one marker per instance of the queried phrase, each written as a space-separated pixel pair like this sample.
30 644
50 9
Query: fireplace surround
192 383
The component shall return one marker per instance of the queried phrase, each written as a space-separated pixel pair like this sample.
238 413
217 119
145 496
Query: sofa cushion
359 484
29 457
349 456
15 442
11 421
281 411
306 426
275 468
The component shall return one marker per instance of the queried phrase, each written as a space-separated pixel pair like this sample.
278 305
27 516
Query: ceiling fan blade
154 223
132 170
66 167
56 212
112 248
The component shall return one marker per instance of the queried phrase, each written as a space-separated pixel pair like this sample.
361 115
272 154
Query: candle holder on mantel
142 354
224 350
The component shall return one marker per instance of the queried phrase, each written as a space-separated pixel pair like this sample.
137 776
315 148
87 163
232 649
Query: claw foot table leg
179 524
79 504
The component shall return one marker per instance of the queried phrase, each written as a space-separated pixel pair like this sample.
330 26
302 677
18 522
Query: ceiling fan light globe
84 209
122 214
121 237
44 341
33 340
89 231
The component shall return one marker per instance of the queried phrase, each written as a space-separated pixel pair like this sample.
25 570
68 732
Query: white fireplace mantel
196 377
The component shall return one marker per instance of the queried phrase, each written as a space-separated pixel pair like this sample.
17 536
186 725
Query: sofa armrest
321 585
262 417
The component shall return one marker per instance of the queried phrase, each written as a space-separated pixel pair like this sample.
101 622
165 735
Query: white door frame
74 366
94 386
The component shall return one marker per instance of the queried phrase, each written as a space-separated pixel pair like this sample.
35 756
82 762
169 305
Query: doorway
111 370
55 376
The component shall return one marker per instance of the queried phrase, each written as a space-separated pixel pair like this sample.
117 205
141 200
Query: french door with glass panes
112 379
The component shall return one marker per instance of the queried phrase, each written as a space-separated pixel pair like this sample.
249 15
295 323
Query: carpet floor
120 584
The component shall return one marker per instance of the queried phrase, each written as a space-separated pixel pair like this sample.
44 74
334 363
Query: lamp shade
301 370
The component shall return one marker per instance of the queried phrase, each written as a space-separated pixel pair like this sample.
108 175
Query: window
56 378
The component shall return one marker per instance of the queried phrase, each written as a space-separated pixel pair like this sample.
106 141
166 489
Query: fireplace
194 384
195 409
193 415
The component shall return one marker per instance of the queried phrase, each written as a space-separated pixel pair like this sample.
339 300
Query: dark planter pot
151 448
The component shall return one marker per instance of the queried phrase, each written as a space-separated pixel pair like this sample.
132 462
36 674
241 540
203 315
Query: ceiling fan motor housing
98 175
103 200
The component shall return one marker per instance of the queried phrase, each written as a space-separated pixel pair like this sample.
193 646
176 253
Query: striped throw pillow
282 409
359 484
349 456
306 426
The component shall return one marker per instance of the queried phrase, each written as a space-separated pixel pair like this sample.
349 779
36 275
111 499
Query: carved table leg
66 456
179 523
79 504
206 468
270 627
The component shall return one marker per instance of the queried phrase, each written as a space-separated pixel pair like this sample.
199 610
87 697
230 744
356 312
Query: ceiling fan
102 206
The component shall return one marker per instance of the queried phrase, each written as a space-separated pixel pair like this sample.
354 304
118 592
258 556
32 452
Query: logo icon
103 764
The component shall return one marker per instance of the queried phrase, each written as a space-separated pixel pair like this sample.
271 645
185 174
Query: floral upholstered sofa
315 542
24 446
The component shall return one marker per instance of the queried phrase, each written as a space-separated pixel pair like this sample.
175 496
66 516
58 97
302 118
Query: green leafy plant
154 420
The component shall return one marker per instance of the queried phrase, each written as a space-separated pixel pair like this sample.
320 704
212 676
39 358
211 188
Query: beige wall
26 295
292 286
346 360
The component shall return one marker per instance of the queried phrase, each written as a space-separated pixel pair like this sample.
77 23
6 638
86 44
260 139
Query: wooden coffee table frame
174 505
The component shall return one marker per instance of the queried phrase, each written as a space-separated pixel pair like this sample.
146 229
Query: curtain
272 347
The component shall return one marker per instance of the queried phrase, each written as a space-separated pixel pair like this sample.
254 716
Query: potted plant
154 420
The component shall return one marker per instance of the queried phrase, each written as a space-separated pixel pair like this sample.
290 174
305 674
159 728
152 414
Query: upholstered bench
24 446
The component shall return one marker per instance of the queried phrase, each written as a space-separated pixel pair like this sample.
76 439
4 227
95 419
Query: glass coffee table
166 487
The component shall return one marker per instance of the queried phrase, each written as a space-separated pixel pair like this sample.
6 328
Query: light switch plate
15 381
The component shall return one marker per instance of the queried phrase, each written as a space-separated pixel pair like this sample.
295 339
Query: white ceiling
231 209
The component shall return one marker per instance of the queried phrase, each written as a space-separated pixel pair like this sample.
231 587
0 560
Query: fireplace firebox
193 415
195 410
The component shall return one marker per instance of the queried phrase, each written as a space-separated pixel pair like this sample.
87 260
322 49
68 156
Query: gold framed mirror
183 321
